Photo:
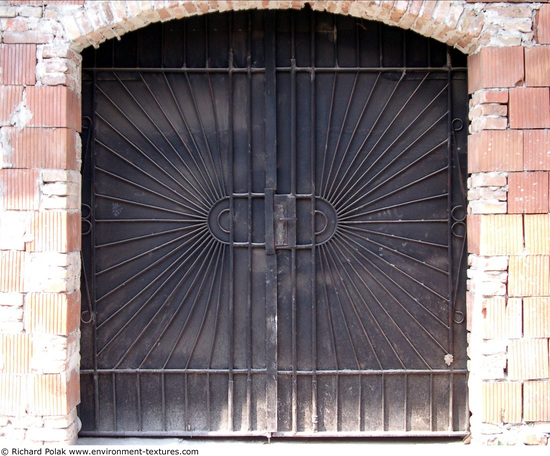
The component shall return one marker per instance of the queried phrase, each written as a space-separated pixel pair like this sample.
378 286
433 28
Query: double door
275 231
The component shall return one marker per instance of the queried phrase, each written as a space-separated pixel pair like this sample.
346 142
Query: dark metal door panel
365 314
276 224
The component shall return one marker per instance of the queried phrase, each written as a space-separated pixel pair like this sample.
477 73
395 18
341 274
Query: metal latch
280 219
284 208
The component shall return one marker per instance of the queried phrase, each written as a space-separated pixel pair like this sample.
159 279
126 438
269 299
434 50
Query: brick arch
456 23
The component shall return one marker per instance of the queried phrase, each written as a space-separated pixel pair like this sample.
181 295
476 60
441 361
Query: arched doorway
276 236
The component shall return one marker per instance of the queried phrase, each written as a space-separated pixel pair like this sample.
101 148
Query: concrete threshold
284 446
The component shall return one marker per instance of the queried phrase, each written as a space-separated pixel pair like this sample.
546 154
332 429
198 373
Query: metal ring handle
461 318
326 223
220 222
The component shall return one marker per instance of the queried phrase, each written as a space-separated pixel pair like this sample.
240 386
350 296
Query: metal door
273 230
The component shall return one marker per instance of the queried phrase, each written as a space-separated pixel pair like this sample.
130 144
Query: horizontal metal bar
377 372
280 69
407 372
170 371
320 435
261 245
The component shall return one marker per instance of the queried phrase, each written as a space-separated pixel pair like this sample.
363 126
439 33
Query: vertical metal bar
337 396
208 409
113 54
383 391
186 402
97 402
138 394
380 47
449 232
113 383
138 47
293 119
93 292
249 229
357 45
313 266
206 42
431 403
360 423
230 161
162 48
406 425
269 222
163 396
404 55
335 41
271 182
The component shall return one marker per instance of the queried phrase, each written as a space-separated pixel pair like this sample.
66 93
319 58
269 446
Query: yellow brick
536 401
529 276
15 353
503 319
501 402
537 234
528 359
501 235
536 317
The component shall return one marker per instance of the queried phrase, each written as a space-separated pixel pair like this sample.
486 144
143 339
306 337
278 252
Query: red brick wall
509 156
39 240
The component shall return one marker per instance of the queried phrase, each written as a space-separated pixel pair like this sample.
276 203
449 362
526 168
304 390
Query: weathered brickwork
508 44
508 216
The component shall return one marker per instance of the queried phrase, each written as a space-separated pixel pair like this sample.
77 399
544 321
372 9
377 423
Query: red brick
489 123
55 394
19 189
473 228
542 24
11 96
537 66
500 234
53 313
536 154
528 275
17 64
493 109
495 150
490 96
528 193
529 107
528 359
50 148
536 401
495 67
55 231
501 402
54 107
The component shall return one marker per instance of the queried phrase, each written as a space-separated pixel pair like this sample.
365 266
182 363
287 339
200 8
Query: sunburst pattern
364 246
382 164
159 172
